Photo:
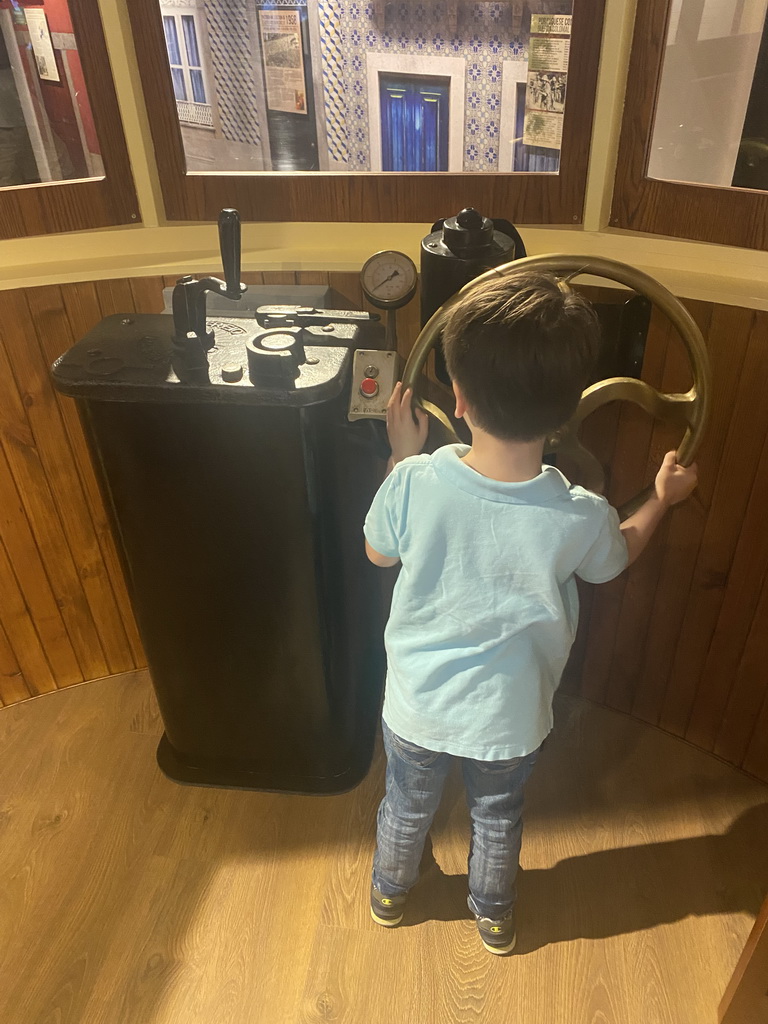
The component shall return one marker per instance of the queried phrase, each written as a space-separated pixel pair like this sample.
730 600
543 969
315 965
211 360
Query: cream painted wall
690 269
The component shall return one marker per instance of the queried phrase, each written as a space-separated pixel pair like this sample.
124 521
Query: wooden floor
127 899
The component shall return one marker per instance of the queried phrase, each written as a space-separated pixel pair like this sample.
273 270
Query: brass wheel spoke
591 472
676 408
442 418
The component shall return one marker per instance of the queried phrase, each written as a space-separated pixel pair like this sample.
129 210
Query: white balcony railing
199 114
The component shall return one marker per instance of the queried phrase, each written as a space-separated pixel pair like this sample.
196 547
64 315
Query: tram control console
225 438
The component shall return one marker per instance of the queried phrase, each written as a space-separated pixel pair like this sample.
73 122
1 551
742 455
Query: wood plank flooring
127 899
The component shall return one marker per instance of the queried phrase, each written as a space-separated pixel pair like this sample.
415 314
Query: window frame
81 204
524 197
706 213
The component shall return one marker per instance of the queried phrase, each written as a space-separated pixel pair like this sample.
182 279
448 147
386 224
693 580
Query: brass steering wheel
689 410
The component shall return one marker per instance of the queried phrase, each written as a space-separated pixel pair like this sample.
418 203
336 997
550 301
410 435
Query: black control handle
229 244
189 294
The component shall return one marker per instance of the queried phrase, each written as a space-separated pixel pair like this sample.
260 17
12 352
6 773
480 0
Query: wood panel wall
680 641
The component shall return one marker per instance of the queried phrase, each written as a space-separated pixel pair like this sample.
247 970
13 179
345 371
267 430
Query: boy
485 608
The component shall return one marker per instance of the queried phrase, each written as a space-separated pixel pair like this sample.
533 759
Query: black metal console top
137 359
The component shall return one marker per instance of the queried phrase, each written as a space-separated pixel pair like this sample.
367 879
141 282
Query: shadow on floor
612 892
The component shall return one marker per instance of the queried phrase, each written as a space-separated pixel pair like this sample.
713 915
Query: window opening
299 85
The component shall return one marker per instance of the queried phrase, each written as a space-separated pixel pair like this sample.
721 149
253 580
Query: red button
369 388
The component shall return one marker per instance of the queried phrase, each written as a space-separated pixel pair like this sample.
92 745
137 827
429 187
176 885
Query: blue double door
414 122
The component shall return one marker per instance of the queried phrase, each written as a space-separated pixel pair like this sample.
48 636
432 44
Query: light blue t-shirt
485 608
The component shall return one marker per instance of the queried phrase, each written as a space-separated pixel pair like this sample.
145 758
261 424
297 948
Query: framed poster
42 47
283 60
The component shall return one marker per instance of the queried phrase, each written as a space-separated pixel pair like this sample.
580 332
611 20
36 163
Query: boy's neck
511 462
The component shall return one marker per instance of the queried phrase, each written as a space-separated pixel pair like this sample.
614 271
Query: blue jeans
415 780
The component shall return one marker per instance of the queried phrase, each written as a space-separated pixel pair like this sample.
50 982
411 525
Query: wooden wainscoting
680 641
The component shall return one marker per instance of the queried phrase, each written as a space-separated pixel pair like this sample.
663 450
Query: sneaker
386 910
498 936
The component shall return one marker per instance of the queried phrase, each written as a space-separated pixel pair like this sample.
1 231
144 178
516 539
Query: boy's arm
673 484
378 559
407 432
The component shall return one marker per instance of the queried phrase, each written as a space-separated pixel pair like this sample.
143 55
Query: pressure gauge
389 279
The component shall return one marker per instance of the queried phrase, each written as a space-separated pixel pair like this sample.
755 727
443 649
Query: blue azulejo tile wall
481 37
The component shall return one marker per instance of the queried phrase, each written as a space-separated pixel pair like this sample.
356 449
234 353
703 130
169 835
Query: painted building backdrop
355 85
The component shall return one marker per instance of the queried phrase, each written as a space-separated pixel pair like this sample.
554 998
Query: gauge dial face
389 279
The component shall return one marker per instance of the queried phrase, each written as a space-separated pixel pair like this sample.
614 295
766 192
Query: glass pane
172 40
313 85
711 124
47 131
198 89
179 88
190 40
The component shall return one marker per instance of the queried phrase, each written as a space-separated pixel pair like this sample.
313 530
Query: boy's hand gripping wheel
689 410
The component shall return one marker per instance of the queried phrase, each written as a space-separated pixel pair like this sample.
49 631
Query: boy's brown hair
521 348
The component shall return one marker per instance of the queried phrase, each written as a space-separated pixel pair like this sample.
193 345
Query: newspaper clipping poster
42 47
549 51
283 60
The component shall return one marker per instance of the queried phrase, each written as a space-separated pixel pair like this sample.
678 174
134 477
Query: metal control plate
386 366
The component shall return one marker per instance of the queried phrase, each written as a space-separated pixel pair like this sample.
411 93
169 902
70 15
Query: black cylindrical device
457 250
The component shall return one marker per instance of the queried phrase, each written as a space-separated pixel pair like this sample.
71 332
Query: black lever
189 293
229 244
